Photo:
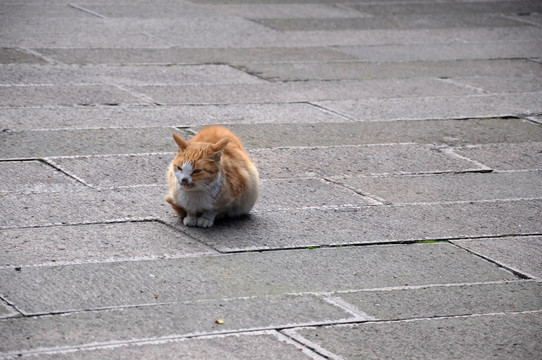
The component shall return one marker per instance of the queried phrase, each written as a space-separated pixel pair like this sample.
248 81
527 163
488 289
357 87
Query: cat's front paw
190 221
205 222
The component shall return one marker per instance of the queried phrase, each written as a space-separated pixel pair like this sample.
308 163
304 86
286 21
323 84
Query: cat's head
197 165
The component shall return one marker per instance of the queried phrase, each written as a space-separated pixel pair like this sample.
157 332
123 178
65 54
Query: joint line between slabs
85 10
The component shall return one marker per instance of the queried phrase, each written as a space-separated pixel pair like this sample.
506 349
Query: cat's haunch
211 176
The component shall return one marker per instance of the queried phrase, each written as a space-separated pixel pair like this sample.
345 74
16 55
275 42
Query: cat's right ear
180 141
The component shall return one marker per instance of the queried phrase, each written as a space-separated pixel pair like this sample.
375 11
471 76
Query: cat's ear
180 141
218 148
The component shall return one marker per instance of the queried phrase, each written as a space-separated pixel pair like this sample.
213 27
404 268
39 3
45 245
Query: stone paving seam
470 87
520 273
450 152
332 112
358 314
292 333
370 198
138 95
51 163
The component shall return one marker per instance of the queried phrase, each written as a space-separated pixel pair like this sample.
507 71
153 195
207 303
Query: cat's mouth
188 185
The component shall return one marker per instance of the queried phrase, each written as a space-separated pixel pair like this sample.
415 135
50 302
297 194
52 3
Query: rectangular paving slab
33 176
342 161
456 300
453 107
370 224
297 71
250 345
450 187
125 75
68 95
522 254
126 116
179 55
165 322
503 336
45 289
515 156
95 243
31 144
451 132
298 91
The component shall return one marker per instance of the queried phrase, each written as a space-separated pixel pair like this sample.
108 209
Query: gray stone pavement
399 144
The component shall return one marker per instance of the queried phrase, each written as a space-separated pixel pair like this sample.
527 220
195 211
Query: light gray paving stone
82 95
443 52
430 8
18 56
123 75
7 311
46 289
77 32
126 116
505 84
95 243
299 193
450 132
33 176
118 171
450 187
178 55
518 156
253 345
143 10
39 144
346 225
299 91
296 71
454 300
403 22
83 206
165 322
23 10
342 161
452 107
522 254
282 10
503 336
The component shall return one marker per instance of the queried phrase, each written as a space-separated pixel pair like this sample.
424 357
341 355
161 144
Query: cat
211 175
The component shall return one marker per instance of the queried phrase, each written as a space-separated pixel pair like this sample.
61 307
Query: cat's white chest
198 201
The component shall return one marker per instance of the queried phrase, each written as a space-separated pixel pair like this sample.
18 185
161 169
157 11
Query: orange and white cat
211 176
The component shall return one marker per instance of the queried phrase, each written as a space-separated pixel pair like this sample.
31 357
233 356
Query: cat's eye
196 171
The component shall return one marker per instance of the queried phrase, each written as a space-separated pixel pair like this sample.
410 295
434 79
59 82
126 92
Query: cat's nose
184 180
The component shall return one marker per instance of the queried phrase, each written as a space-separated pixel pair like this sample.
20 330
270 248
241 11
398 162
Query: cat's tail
179 210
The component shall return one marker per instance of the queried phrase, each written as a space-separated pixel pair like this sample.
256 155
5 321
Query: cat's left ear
218 148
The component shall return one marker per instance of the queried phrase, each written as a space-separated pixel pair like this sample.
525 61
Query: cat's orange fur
211 175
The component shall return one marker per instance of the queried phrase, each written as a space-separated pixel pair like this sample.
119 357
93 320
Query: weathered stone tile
453 107
505 84
370 224
431 8
296 71
403 22
519 156
454 300
39 144
18 56
32 176
282 10
124 75
182 116
450 187
300 193
179 55
502 336
7 311
83 206
519 253
163 321
443 52
250 345
94 243
356 160
450 132
118 171
44 289
83 95
299 91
